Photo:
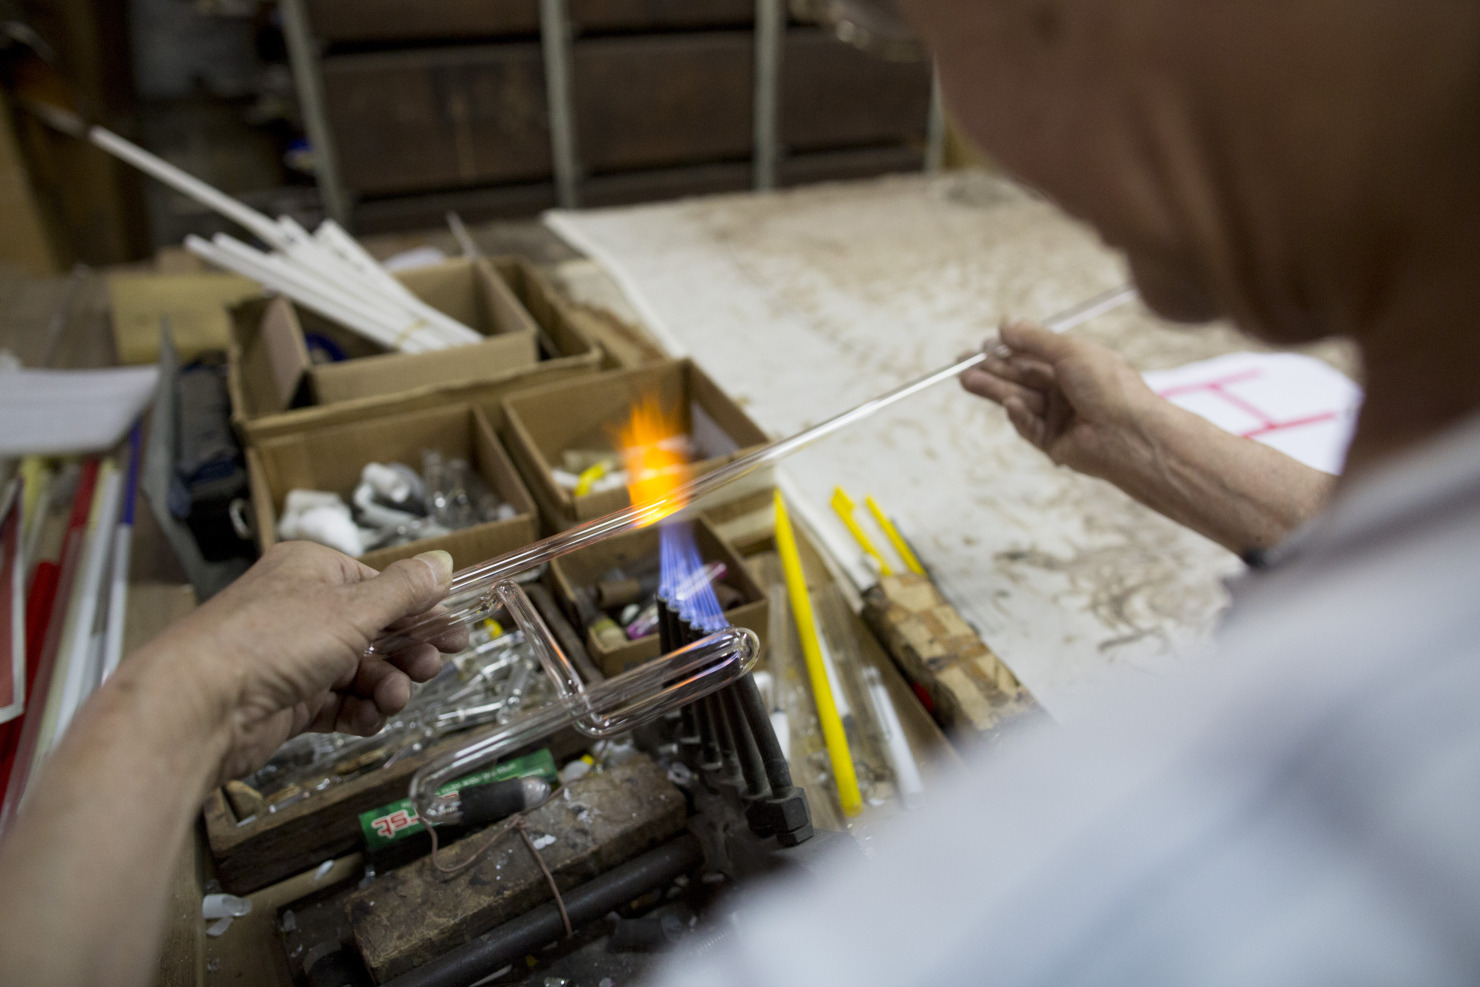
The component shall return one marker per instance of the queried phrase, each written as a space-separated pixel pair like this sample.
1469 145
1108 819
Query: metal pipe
729 743
778 771
555 42
303 56
770 25
752 766
935 127
710 758
585 903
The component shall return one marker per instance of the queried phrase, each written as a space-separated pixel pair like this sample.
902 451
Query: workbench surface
807 302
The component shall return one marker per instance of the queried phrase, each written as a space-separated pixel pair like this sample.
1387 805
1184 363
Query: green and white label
391 823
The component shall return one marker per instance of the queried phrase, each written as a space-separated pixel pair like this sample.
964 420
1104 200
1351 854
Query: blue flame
681 581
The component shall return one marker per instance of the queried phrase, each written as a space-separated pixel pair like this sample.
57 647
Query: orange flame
652 452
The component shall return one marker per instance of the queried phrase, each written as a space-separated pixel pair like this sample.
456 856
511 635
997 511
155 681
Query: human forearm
1237 492
87 864
84 869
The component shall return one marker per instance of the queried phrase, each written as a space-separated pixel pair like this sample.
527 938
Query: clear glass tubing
603 709
471 597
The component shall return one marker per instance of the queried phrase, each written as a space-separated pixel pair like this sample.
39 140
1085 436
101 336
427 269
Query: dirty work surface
806 302
410 915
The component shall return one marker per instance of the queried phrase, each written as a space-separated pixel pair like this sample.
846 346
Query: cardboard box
584 567
557 331
585 414
276 391
265 848
331 459
470 292
197 307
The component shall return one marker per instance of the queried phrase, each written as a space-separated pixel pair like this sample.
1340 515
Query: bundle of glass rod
727 735
472 597
326 271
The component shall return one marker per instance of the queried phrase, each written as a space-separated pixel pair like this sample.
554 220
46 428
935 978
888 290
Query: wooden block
411 915
972 690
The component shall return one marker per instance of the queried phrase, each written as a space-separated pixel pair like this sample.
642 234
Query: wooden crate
428 119
441 118
403 21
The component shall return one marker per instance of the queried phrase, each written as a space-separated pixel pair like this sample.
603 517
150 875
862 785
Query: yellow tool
844 505
895 538
590 475
827 710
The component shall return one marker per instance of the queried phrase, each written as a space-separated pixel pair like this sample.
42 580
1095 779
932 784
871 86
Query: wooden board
971 691
403 21
833 95
439 118
406 21
272 847
423 211
653 101
416 913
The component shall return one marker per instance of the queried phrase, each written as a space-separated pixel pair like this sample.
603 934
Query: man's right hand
1079 402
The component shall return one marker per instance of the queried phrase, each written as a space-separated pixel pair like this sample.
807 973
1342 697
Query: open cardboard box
586 413
582 568
331 459
276 389
262 849
196 306
558 333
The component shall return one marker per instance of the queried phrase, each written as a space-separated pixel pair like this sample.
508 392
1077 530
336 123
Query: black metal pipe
778 772
752 768
728 743
688 726
710 758
585 903
667 628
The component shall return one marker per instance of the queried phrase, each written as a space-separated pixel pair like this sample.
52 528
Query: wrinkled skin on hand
282 650
1079 402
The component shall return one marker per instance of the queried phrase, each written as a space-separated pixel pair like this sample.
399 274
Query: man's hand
1089 410
281 650
87 863
1080 403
